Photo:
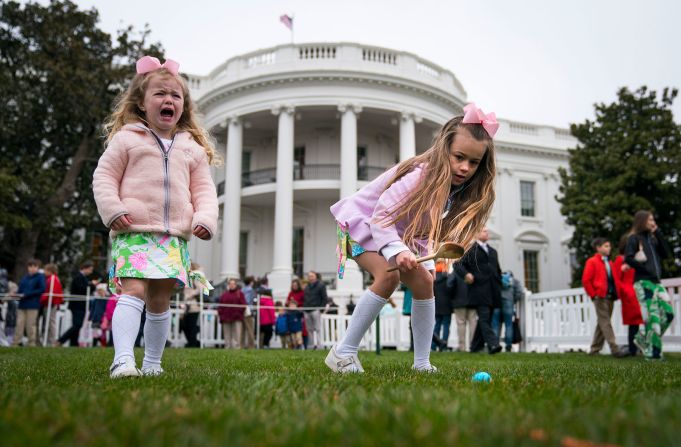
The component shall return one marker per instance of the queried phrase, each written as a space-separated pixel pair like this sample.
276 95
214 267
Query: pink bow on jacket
148 63
475 115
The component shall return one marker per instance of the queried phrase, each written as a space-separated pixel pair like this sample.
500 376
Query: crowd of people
40 294
297 321
481 297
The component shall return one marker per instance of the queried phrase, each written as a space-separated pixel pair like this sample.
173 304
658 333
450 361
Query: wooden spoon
448 250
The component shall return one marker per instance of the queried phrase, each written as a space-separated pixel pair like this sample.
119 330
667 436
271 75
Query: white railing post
257 323
49 311
201 318
85 327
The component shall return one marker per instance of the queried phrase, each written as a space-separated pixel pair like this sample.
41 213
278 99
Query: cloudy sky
540 61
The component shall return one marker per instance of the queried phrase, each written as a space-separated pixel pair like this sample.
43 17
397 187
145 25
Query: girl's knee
136 289
389 280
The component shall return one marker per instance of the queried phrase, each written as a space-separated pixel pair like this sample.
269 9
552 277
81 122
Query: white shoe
343 364
151 371
430 369
124 368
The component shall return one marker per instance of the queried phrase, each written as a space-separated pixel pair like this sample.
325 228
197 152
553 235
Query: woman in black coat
645 250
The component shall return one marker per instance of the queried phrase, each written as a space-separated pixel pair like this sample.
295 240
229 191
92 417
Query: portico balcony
305 172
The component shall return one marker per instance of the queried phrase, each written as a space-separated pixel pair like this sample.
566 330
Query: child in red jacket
598 280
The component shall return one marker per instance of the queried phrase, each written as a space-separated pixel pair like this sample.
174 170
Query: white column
352 280
231 217
282 271
408 135
348 143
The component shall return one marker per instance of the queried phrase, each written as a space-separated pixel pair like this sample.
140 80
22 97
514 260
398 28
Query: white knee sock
156 330
125 325
367 309
422 325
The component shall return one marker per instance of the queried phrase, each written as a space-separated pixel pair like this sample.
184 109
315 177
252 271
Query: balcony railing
311 56
259 177
305 172
316 172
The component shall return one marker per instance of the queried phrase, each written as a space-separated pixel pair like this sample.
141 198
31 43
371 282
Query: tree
627 159
59 77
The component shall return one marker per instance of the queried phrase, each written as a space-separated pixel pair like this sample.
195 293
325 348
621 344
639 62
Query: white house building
301 125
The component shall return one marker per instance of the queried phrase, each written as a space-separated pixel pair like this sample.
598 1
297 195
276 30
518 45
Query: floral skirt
345 241
152 256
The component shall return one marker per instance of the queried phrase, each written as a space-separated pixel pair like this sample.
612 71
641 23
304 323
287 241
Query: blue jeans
441 322
506 312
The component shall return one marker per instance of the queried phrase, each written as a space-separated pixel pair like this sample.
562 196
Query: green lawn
226 398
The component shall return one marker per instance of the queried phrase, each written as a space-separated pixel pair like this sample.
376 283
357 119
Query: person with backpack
511 292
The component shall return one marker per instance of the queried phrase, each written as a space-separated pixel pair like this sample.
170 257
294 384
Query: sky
542 62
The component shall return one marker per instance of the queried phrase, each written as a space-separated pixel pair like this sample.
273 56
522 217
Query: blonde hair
471 205
51 268
127 110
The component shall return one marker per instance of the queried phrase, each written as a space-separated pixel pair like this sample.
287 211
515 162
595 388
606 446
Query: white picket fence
555 321
565 320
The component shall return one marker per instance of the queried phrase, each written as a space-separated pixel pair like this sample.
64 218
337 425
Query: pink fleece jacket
170 196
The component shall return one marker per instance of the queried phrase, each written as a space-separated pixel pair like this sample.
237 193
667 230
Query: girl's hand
406 261
121 223
201 232
625 267
469 278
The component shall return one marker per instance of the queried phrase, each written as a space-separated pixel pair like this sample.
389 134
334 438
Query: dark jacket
459 290
294 318
486 287
443 295
655 248
31 287
230 314
79 286
315 295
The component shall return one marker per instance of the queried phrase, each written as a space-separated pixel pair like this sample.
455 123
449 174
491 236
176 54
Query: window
531 265
298 251
243 253
527 201
299 163
245 162
362 171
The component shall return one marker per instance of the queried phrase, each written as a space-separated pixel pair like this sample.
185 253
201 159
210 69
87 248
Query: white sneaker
124 368
343 365
430 369
152 371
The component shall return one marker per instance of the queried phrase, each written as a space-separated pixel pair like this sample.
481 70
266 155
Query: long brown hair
640 224
472 205
127 110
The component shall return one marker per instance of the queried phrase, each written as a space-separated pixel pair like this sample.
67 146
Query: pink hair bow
148 63
475 115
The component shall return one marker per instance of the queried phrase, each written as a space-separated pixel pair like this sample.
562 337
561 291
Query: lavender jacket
362 214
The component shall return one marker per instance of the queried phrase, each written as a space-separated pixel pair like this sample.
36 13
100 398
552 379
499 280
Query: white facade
299 126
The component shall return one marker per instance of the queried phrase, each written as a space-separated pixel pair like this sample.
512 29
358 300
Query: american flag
287 21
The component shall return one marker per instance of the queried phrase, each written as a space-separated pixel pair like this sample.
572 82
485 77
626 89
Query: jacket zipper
166 179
